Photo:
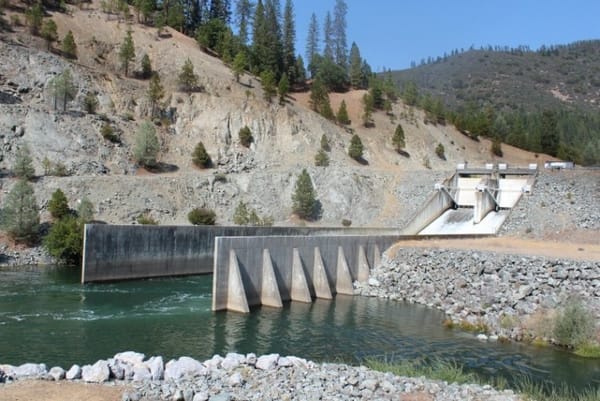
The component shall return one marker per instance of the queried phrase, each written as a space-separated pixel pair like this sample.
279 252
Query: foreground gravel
248 377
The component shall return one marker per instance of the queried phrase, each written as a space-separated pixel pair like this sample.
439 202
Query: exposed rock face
509 294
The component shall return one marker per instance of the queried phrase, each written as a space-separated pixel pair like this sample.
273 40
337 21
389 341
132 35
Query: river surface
47 316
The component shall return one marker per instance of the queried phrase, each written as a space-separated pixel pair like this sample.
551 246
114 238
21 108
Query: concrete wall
113 252
240 266
439 202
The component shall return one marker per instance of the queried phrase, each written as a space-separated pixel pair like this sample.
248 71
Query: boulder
157 367
73 373
130 357
96 373
232 361
30 371
57 373
141 374
184 366
267 362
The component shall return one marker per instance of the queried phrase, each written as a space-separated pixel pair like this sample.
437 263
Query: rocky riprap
513 296
248 377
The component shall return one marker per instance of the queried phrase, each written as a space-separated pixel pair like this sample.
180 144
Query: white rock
184 366
373 282
284 362
57 373
157 367
232 361
214 362
251 359
96 373
267 362
141 374
130 357
298 362
482 337
30 370
202 396
74 373
235 380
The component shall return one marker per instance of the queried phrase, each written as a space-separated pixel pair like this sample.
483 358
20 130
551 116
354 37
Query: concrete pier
298 267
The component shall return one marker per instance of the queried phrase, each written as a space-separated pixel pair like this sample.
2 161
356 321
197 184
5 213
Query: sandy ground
30 390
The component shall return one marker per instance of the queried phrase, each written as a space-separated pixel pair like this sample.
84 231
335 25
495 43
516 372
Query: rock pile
248 377
504 293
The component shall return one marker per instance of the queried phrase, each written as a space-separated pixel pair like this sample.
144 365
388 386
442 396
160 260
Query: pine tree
63 88
245 136
274 54
23 167
85 210
90 103
398 138
289 39
342 114
321 159
356 73
21 214
155 93
356 148
239 65
49 33
267 79
319 99
68 46
312 40
328 38
283 88
127 52
304 202
146 65
188 80
368 107
243 11
34 17
325 146
340 46
550 137
300 72
259 37
240 215
146 145
200 157
220 9
58 205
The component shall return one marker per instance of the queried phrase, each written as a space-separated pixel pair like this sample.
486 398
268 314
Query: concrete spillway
472 202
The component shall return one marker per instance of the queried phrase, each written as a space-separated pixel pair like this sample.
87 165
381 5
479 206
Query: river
47 316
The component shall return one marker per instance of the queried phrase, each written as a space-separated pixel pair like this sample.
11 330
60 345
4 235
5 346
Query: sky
392 33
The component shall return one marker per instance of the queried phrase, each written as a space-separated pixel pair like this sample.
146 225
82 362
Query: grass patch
479 327
588 350
450 372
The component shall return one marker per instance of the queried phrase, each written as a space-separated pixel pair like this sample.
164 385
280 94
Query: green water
47 316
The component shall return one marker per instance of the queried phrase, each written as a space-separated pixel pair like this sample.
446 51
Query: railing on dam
271 270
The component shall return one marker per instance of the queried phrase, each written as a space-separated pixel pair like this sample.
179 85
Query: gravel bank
513 296
248 377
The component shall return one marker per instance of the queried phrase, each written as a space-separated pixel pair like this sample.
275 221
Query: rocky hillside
286 137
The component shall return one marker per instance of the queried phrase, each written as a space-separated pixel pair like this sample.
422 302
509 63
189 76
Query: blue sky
392 33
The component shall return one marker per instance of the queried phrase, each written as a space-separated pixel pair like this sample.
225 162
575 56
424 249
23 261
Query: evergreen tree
340 45
49 33
319 99
300 72
259 37
23 167
274 54
146 66
283 88
21 214
146 145
325 143
90 103
176 16
342 114
200 157
241 214
220 9
289 39
245 136
356 148
64 241
147 8
368 107
127 52
58 205
440 151
188 80
398 139
239 65
312 40
243 12
328 40
155 93
410 94
356 72
550 138
85 210
63 88
267 79
321 159
304 202
34 17
68 46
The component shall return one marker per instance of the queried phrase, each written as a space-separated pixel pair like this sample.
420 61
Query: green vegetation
58 206
200 157
90 103
20 215
68 46
283 88
65 240
146 145
187 79
304 201
146 220
146 65
267 79
574 326
155 93
63 89
245 216
478 327
108 133
398 139
245 136
496 148
23 166
356 148
127 52
49 33
34 16
319 99
346 222
368 108
325 145
342 114
321 159
202 217
440 151
437 370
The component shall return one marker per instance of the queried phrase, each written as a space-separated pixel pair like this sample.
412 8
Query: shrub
356 148
202 217
220 177
146 145
240 215
146 220
90 103
20 216
574 325
146 66
321 159
346 222
245 136
496 148
85 210
58 206
200 157
325 145
65 240
398 138
244 215
440 151
342 114
109 134
69 47
23 167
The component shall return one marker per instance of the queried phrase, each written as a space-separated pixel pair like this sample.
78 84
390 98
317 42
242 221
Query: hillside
286 137
542 101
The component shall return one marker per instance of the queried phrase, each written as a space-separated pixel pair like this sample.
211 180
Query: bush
200 157
245 136
356 148
574 325
321 159
65 240
440 151
146 220
20 215
90 103
202 217
346 222
23 167
496 148
325 145
109 134
245 216
58 206
146 145
398 139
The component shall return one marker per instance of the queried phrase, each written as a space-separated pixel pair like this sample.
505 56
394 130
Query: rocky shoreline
498 295
250 377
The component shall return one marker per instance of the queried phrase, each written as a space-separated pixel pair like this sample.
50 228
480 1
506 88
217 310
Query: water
47 316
